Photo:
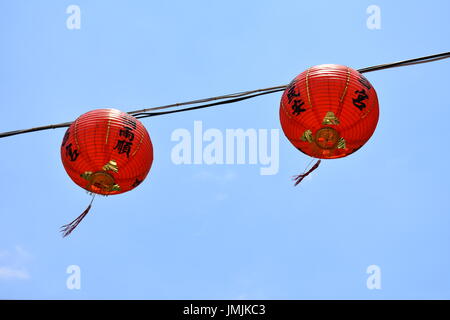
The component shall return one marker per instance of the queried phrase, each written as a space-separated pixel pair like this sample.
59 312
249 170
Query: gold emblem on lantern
341 144
327 138
307 136
330 118
102 181
111 165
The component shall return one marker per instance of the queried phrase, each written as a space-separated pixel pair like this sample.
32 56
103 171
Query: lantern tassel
68 228
302 176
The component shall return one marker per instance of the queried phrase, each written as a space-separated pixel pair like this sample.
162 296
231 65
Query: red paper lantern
106 151
329 111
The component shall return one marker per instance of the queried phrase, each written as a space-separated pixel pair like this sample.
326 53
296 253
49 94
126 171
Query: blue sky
224 231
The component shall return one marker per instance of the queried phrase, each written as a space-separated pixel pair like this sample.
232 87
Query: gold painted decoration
307 136
341 144
111 165
327 138
86 175
330 119
100 181
115 187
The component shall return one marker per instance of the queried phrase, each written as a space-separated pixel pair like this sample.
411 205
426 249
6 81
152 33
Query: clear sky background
224 231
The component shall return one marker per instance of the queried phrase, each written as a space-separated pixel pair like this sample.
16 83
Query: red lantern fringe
302 176
68 228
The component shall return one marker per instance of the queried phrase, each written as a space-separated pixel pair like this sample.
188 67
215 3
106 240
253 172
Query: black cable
233 95
51 126
414 61
232 98
409 62
153 114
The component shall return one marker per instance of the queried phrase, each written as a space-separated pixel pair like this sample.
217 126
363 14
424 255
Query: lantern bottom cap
100 182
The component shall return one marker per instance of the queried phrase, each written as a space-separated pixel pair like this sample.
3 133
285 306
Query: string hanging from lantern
230 98
68 228
300 177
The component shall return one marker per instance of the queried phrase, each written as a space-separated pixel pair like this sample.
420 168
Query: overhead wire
230 98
